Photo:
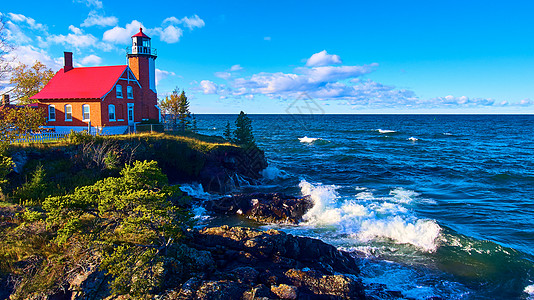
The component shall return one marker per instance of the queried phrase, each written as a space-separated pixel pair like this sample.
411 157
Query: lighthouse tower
141 60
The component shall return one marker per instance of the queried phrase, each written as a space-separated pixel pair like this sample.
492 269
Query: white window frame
67 119
50 109
83 112
129 92
110 108
118 90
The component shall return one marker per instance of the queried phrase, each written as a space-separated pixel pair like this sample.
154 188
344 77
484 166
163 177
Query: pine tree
195 128
227 132
243 132
183 110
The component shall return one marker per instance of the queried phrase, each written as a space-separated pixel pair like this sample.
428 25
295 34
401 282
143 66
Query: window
111 112
129 92
51 113
118 88
68 112
86 112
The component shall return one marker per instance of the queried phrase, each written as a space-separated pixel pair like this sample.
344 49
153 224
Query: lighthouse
142 60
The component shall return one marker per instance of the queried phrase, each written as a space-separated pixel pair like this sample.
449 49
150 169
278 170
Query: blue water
441 205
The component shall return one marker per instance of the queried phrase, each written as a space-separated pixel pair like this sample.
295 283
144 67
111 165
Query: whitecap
413 139
530 291
308 140
385 131
273 173
447 133
365 217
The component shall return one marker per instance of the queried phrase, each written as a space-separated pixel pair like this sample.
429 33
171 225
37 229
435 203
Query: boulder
274 208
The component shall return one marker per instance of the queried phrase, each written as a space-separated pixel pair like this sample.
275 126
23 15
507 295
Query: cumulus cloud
223 75
323 59
190 22
161 74
122 35
91 60
526 102
18 18
321 81
76 38
29 55
235 68
462 101
208 87
94 19
169 34
91 3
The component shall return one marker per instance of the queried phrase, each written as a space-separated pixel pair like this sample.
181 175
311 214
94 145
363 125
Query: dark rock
266 208
223 289
284 291
252 259
341 286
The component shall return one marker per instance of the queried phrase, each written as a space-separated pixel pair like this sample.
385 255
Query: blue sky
264 56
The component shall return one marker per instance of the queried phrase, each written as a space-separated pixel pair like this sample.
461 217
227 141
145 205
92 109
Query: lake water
442 205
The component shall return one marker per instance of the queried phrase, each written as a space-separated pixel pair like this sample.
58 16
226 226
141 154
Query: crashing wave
385 131
367 218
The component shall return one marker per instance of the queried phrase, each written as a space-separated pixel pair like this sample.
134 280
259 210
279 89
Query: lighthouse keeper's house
108 99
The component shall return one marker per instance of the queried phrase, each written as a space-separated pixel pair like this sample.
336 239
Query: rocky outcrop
265 208
254 264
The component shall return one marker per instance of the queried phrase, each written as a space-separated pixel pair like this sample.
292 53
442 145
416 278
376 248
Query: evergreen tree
227 132
183 110
243 132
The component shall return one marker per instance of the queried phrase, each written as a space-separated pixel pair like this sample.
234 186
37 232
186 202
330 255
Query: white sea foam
308 140
272 173
195 190
413 139
447 133
530 291
365 217
385 131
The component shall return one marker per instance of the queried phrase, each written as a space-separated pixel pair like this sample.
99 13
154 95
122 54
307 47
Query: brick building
107 99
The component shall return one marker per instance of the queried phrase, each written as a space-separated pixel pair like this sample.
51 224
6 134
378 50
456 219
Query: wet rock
284 291
224 289
341 286
266 208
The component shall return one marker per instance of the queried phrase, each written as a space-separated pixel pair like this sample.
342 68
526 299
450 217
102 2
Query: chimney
5 99
68 62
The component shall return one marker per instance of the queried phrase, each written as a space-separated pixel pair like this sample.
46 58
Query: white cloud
120 35
29 55
526 102
161 74
194 22
323 59
76 39
94 19
18 18
15 34
235 68
208 87
462 101
223 75
169 34
91 60
91 3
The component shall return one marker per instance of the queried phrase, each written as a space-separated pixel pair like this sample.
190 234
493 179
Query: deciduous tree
28 81
176 108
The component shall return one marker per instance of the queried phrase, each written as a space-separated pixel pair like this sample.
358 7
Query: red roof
140 33
81 83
